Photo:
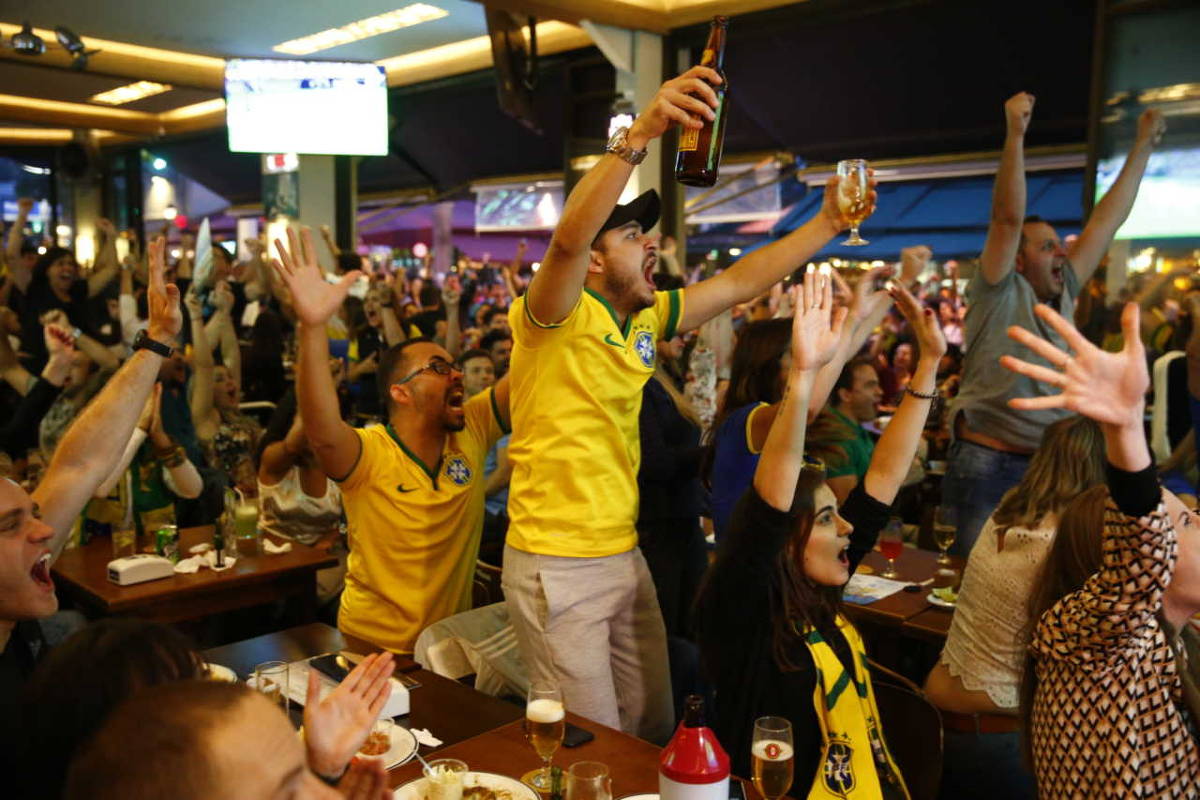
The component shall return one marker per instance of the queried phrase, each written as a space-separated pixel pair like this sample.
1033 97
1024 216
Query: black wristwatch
143 342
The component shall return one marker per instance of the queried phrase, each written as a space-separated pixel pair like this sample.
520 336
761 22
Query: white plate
404 747
415 789
217 672
937 601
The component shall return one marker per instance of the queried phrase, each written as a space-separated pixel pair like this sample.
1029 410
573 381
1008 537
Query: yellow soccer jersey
575 394
414 530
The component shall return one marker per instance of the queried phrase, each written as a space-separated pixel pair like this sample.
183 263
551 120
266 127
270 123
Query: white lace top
287 511
988 637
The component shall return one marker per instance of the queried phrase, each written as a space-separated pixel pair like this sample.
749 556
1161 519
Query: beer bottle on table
693 765
699 154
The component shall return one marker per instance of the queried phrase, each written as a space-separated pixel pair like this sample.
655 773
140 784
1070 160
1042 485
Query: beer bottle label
689 139
708 57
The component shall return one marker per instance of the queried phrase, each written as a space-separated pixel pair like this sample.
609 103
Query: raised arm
816 330
754 274
12 245
896 448
1008 195
451 294
556 286
279 457
107 264
258 283
221 328
335 444
97 437
1113 209
201 399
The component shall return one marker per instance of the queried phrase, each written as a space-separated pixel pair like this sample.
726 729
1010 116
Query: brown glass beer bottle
699 154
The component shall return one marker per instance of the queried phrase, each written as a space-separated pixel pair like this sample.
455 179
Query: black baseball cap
643 209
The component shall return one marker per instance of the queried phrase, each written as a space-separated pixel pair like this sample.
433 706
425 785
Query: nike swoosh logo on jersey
609 340
400 488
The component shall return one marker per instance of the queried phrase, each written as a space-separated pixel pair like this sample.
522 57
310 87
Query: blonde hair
1069 461
682 405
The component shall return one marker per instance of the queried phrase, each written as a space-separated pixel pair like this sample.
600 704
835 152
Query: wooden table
898 609
81 575
450 710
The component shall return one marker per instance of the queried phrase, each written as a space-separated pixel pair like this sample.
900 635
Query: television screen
1168 201
314 107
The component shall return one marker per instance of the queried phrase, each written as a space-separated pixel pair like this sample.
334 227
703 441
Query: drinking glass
124 541
379 740
771 756
891 544
854 196
945 528
444 777
588 780
271 678
545 722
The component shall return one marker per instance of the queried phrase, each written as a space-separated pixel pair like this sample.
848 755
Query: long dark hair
82 680
41 268
278 426
753 377
1074 557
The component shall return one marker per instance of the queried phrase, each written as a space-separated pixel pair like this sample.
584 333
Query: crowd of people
586 427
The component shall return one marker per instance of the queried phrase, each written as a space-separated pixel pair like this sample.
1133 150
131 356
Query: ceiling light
170 212
67 38
28 43
159 164
129 93
36 170
363 29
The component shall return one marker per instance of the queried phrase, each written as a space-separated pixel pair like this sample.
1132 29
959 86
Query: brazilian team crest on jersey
838 771
458 471
644 345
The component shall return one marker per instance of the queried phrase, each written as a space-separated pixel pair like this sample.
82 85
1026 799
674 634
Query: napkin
208 558
273 549
424 737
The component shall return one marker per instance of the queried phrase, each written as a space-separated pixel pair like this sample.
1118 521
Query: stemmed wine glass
891 544
854 196
771 756
545 723
945 528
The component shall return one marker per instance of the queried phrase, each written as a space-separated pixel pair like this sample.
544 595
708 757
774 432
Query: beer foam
544 710
772 750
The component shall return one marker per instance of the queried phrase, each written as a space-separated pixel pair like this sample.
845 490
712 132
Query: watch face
617 140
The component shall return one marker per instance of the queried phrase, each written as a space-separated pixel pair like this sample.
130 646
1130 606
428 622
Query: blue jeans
976 478
983 766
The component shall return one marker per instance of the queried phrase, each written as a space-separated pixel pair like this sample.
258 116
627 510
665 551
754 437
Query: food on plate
378 743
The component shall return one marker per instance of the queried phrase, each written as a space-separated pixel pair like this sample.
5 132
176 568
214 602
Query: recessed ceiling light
405 17
130 92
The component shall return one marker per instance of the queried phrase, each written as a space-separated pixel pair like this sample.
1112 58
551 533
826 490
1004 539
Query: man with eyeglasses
578 590
413 489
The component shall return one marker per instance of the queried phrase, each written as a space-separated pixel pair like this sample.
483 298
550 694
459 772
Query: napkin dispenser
139 569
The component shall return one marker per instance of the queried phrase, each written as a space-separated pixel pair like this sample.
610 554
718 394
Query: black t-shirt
366 388
25 647
427 321
735 632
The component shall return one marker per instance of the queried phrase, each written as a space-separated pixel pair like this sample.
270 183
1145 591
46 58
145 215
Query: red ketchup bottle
693 766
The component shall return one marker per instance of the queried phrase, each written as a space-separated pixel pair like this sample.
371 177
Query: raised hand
166 317
451 292
59 341
1151 127
334 728
1108 387
913 261
223 297
314 300
816 327
24 206
194 306
867 299
1018 110
931 342
684 100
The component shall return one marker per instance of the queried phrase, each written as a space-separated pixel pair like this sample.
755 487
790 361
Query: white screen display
314 107
1168 200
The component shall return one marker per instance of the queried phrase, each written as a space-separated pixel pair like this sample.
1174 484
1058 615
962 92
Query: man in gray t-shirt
1023 263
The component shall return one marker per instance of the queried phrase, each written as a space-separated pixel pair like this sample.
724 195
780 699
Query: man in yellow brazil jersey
413 488
578 590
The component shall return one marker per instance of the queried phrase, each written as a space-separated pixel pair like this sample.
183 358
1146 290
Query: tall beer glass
854 196
545 721
771 757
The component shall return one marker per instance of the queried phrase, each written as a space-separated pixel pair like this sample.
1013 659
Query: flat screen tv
313 107
1168 201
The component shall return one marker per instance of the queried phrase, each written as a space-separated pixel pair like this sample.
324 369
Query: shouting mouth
40 573
843 556
648 268
455 398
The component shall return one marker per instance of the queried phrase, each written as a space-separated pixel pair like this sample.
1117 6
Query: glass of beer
891 544
771 756
854 196
588 780
945 528
545 722
271 678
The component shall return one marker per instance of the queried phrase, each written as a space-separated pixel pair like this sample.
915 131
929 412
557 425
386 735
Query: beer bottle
699 154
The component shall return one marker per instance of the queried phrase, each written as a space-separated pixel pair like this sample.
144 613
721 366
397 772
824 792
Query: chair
486 588
1165 379
261 410
480 642
912 727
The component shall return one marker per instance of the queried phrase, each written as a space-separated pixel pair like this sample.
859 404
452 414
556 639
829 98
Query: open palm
335 727
314 299
1108 387
816 326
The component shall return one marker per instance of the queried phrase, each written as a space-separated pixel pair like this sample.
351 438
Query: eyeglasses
439 365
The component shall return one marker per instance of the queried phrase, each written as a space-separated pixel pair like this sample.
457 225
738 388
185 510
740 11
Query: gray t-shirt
987 386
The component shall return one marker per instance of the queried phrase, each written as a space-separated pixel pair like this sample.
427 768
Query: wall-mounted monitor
313 107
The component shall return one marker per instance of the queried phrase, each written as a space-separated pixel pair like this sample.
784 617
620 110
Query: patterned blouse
1109 718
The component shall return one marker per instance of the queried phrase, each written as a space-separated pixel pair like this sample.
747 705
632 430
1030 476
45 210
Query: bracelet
329 780
173 457
931 396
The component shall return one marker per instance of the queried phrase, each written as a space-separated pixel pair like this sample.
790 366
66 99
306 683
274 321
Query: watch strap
143 342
